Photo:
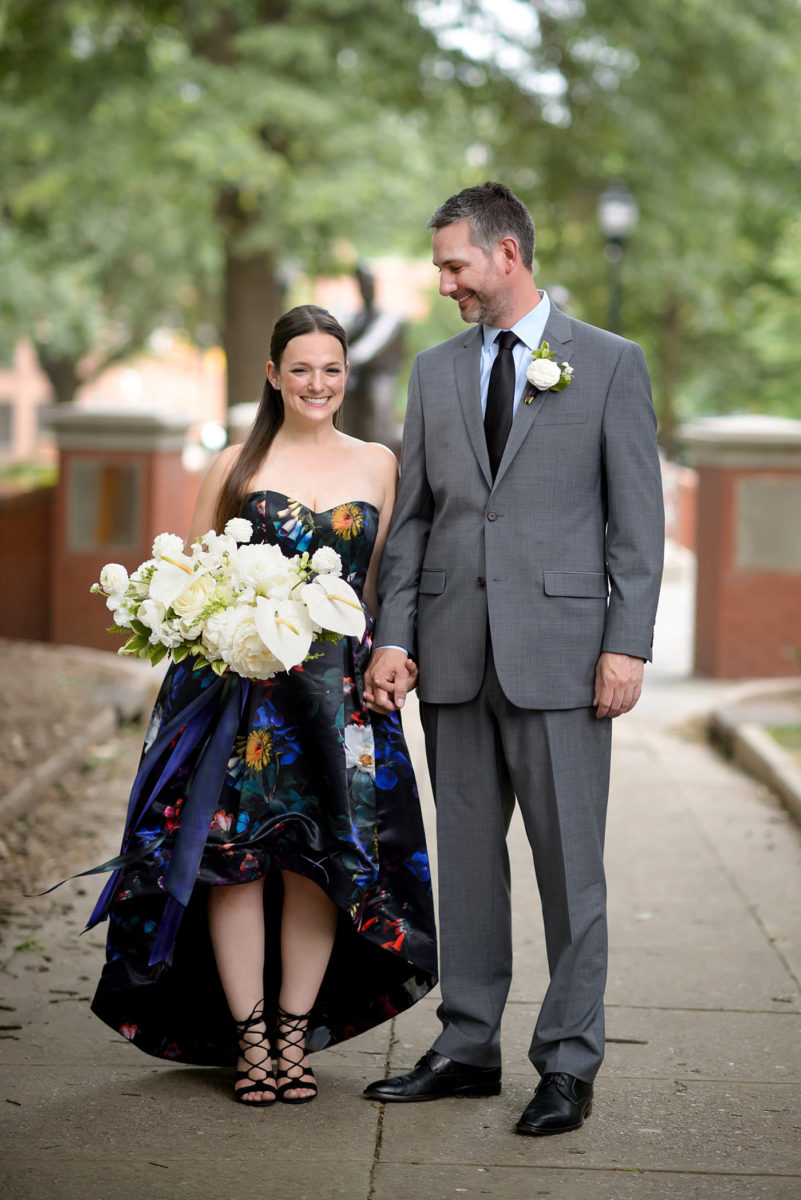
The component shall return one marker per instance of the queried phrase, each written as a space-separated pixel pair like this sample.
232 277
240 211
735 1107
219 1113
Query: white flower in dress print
360 749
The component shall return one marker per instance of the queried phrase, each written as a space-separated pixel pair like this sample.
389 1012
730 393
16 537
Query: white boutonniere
545 374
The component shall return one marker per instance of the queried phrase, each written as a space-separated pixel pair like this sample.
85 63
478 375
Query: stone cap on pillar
743 440
135 429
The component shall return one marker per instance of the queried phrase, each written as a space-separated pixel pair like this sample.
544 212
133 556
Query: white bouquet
230 604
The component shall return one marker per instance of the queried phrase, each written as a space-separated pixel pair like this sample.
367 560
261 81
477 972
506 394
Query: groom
522 573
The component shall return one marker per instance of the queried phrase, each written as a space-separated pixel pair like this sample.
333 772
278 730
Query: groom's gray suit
506 592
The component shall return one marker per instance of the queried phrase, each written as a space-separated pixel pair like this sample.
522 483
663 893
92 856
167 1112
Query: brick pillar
121 481
748 602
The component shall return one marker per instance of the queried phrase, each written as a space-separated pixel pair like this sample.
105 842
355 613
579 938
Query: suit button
492 516
481 581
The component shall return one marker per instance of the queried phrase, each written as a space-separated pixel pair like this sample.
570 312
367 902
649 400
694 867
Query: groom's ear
510 253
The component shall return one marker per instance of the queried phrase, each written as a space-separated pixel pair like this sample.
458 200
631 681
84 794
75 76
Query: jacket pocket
591 585
432 583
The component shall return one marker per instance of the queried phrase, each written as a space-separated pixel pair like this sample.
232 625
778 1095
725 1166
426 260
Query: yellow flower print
347 520
259 749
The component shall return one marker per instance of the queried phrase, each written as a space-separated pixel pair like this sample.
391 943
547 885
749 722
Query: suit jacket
560 557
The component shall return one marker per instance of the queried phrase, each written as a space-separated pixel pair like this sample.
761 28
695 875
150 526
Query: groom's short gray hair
493 212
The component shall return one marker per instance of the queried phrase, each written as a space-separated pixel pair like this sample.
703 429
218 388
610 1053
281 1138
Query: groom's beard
484 310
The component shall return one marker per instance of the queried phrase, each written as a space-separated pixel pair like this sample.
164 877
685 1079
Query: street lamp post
617 215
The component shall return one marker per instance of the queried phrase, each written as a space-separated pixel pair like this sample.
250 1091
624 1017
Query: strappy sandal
257 1055
291 1034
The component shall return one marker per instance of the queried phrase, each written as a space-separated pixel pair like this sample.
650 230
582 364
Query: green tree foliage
165 160
695 106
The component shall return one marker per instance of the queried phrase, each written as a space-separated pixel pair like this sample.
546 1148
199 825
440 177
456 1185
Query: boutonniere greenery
545 374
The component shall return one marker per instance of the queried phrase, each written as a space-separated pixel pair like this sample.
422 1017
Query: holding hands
388 679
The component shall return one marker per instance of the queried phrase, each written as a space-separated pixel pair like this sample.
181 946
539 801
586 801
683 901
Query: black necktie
500 398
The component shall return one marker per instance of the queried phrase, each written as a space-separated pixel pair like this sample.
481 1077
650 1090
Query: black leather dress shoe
435 1076
561 1103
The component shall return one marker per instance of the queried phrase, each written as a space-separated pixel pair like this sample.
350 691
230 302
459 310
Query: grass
788 737
25 476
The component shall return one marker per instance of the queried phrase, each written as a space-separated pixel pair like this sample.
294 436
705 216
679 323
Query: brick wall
748 623
26 526
167 491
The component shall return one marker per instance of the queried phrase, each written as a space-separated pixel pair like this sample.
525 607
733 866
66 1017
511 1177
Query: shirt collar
529 328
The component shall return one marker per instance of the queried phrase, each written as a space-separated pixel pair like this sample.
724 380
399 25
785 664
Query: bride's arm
203 516
387 477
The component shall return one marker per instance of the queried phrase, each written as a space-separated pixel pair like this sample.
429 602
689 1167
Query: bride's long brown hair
306 318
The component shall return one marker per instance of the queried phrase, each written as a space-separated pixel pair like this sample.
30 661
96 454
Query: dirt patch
49 695
75 824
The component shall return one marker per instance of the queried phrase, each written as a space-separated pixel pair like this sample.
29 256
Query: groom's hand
387 679
618 684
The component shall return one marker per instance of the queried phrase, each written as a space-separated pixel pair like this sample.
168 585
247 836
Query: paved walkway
699 1096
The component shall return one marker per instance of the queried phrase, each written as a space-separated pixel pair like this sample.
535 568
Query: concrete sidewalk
700 1095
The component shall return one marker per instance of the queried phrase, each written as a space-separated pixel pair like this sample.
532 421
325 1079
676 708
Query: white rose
192 601
216 635
265 569
245 652
113 579
168 545
239 529
151 614
543 373
326 561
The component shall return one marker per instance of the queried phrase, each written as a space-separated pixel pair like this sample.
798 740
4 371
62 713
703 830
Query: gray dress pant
481 756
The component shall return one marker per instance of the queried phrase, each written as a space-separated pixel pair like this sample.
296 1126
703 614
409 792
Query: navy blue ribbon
221 703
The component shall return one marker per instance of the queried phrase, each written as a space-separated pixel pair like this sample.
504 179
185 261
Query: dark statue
375 338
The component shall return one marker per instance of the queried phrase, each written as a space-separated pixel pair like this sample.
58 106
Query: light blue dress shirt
530 329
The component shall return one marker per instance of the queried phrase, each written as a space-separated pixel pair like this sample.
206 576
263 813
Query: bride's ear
272 375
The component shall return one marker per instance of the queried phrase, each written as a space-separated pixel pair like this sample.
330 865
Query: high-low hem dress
311 782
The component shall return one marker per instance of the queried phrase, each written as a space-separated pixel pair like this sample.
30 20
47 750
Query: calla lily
171 577
333 604
285 629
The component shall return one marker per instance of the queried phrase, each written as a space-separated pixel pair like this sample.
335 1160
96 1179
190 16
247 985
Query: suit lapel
467 365
558 336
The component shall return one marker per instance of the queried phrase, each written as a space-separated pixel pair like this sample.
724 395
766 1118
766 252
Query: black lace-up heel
290 1039
257 1055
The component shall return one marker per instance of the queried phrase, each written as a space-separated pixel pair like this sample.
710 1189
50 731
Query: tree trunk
62 373
254 299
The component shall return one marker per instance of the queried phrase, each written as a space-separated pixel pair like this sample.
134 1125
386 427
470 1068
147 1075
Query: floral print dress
315 784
